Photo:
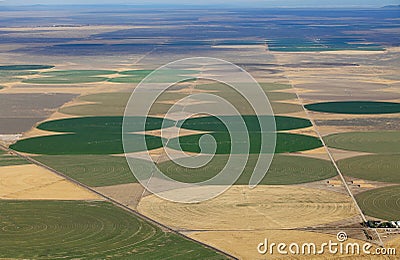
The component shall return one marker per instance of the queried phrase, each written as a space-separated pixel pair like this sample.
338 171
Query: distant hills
392 7
6 6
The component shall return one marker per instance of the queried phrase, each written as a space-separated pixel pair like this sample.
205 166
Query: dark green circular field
383 203
372 142
285 143
95 143
215 124
284 170
86 230
26 67
385 168
355 107
92 135
105 124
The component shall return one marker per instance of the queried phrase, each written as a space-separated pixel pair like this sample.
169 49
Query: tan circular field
263 207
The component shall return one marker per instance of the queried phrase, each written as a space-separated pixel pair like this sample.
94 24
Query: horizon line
5 4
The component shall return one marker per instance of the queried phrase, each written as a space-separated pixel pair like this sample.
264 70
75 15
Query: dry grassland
241 208
25 182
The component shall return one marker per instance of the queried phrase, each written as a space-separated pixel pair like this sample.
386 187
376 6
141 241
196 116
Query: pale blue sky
249 3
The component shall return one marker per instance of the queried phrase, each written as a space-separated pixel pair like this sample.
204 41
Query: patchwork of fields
65 179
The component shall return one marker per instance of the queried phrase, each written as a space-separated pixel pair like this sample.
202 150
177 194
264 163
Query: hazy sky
249 3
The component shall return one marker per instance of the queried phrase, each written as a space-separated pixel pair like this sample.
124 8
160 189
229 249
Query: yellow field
26 182
263 207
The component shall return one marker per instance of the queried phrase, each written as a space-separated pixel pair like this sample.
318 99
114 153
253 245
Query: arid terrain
334 90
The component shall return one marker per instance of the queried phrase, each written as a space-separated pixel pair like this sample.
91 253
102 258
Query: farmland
7 159
285 143
283 170
93 170
25 67
94 135
383 168
356 107
258 208
68 73
381 203
373 142
86 230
